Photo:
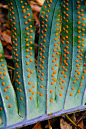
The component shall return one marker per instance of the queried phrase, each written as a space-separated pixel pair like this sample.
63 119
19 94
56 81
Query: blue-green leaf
8 97
77 83
46 18
59 85
16 53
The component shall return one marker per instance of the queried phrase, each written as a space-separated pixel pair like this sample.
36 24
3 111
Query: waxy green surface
58 85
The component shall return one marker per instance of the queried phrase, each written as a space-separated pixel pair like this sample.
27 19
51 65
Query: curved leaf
46 17
7 93
58 87
77 83
16 53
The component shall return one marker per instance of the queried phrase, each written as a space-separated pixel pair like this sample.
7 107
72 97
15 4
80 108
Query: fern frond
58 86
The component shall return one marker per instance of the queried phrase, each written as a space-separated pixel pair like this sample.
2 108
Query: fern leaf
7 93
2 114
77 83
46 17
16 53
27 54
58 86
54 57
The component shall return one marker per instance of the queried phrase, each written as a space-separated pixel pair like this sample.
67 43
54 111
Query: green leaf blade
46 16
63 75
54 57
27 54
2 114
77 83
7 93
16 53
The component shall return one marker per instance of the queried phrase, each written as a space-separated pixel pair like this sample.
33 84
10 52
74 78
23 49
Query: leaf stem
10 67
72 122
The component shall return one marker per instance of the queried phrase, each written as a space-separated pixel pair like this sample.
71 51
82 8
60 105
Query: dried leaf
37 126
64 125
35 8
32 2
49 125
3 6
9 47
6 37
81 124
36 18
40 2
4 43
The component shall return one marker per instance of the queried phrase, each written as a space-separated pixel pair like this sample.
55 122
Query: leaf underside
58 85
